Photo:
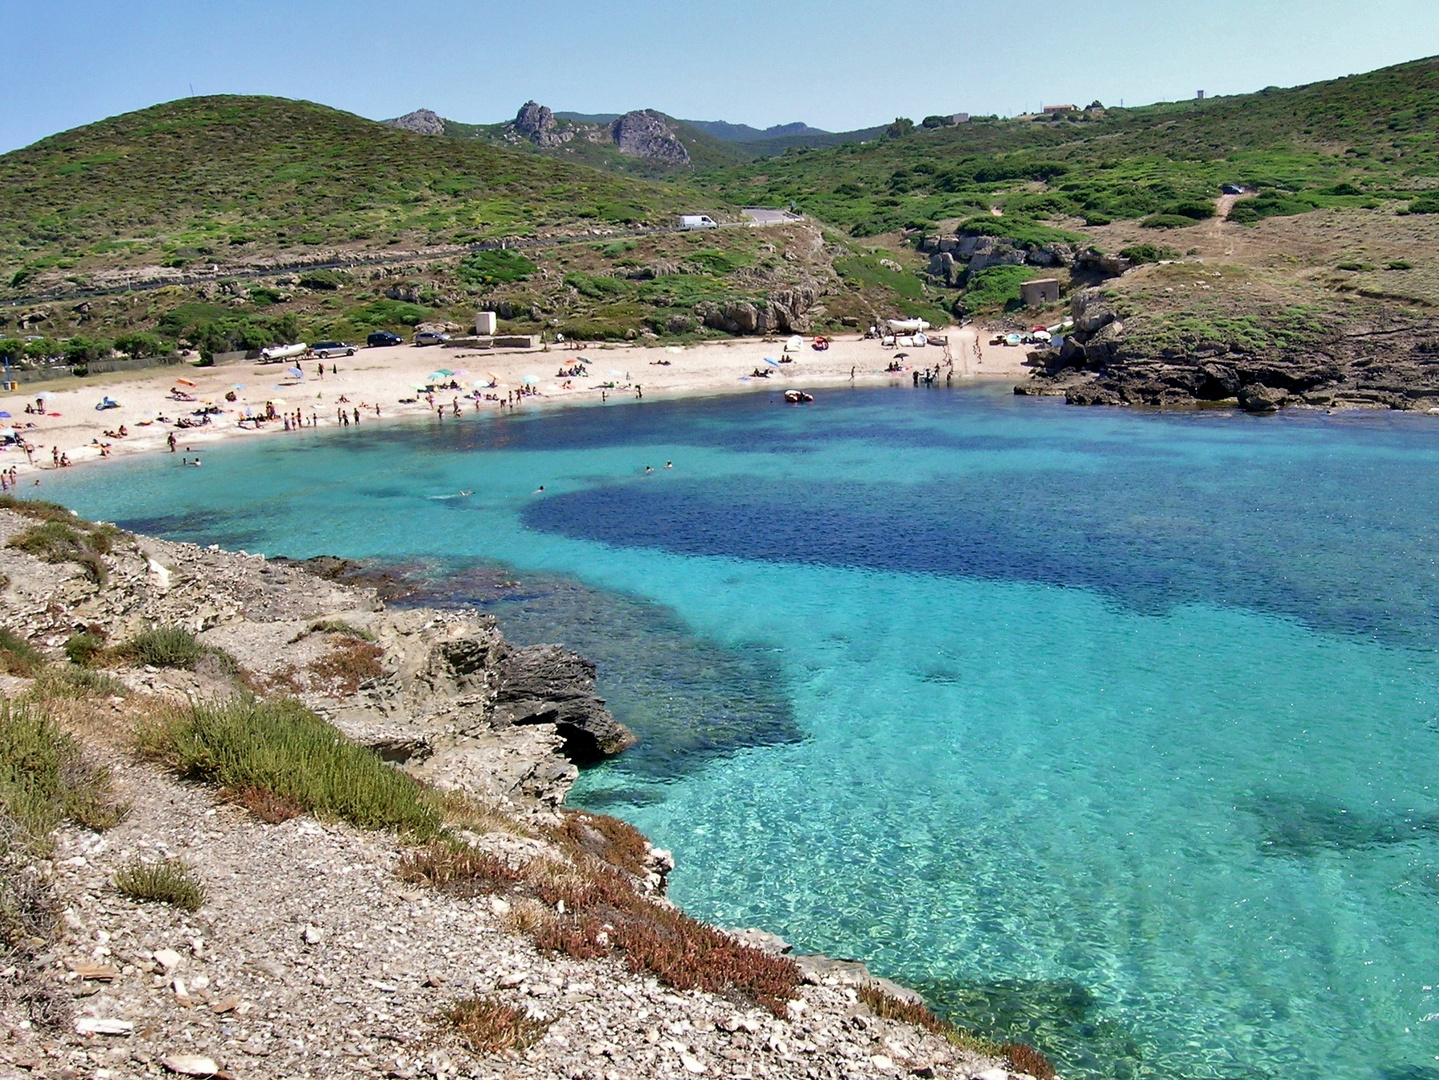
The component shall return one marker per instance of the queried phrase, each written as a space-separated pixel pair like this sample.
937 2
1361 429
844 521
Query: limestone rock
421 121
1258 398
548 684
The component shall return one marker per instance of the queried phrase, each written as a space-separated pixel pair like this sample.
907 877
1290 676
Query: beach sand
385 375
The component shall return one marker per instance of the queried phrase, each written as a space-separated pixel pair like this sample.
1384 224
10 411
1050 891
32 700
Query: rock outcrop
439 693
784 311
421 121
1394 365
645 133
537 123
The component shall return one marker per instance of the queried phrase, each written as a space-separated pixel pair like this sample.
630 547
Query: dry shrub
590 909
265 804
350 664
577 936
1027 1059
614 841
458 870
492 1027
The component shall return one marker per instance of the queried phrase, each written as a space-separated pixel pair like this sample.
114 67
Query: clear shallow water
1113 731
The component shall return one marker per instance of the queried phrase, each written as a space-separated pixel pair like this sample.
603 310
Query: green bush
1139 254
18 656
996 287
323 280
1425 204
282 750
1167 221
172 647
596 287
140 345
504 266
82 648
45 780
1401 264
68 681
169 881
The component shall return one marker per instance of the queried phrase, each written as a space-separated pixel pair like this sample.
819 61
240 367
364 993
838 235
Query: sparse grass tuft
173 647
68 681
45 780
18 656
492 1027
282 748
1027 1059
459 870
338 626
169 881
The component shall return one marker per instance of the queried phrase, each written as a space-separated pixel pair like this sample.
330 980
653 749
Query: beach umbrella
530 380
4 414
44 395
901 356
289 371
418 386
771 360
446 372
277 401
612 371
238 386
462 371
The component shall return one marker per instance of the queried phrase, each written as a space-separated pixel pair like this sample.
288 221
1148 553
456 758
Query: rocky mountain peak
645 133
534 119
421 121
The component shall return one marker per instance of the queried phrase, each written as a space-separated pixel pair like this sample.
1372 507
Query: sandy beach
72 426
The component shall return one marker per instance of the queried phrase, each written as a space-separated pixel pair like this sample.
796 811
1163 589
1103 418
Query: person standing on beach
170 441
357 417
322 370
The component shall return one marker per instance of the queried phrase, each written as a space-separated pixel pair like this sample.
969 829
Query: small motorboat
798 397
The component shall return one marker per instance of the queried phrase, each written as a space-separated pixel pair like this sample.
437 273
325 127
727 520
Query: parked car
326 349
431 337
383 337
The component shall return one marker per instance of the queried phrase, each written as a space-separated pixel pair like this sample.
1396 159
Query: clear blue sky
837 64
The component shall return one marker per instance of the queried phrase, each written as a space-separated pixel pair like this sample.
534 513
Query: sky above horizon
834 64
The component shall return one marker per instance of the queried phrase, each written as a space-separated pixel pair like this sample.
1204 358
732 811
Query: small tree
140 345
901 126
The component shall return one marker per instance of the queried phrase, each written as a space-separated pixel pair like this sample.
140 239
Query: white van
697 221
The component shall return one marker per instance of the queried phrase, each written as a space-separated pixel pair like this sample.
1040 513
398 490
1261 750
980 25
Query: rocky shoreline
311 955
1386 362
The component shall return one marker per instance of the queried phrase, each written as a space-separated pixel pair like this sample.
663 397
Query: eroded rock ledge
440 693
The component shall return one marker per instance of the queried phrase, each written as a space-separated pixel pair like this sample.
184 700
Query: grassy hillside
220 178
1350 142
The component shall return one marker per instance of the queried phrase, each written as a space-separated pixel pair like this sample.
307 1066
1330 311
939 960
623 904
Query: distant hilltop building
1052 109
1199 95
959 118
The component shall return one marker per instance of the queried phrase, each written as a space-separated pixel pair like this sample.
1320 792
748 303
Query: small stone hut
1039 292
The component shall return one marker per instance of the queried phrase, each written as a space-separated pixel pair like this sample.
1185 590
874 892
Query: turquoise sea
1115 732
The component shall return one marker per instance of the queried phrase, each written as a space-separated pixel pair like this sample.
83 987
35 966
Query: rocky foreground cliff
178 923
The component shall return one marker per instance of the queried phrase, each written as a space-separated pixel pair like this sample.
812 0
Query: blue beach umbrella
530 380
4 414
296 372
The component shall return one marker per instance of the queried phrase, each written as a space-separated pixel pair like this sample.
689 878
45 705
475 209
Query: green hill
1351 141
219 178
